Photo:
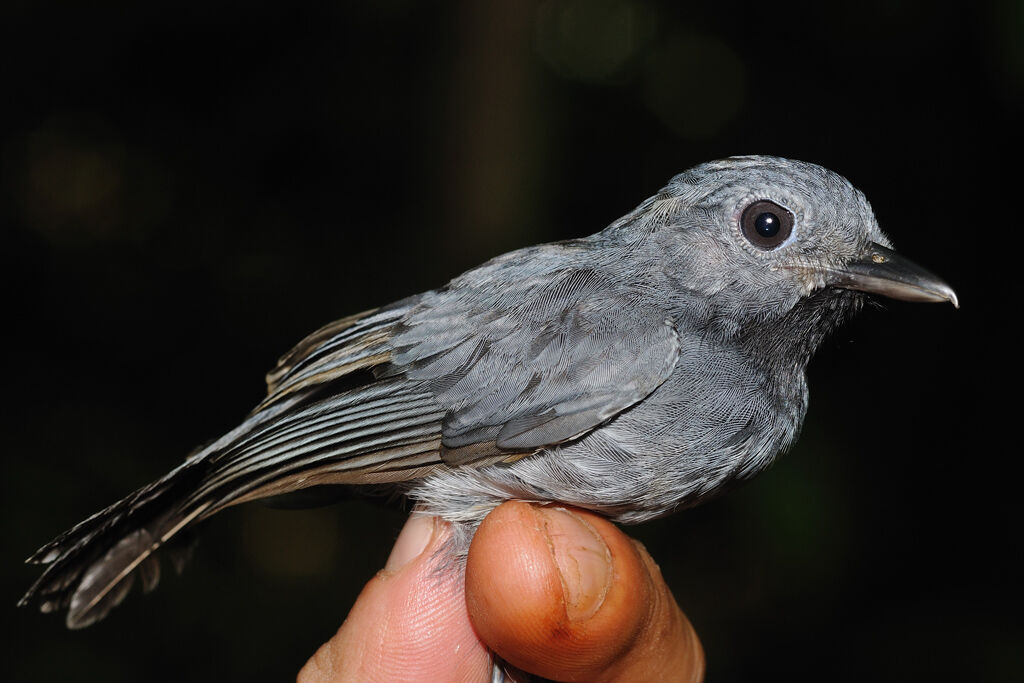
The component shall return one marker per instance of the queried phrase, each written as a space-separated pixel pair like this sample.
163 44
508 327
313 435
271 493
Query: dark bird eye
766 224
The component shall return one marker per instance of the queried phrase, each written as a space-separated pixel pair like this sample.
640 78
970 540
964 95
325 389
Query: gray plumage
632 372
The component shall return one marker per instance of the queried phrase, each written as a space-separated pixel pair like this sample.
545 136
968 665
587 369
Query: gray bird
633 372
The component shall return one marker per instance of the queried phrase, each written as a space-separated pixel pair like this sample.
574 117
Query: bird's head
758 238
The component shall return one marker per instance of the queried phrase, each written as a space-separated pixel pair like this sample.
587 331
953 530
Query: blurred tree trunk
491 151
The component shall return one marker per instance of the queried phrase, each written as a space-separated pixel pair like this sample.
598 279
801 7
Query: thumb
563 593
409 623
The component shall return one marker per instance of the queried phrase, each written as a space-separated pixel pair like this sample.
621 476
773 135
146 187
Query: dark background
188 190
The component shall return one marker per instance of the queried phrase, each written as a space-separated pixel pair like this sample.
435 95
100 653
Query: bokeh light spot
592 41
694 84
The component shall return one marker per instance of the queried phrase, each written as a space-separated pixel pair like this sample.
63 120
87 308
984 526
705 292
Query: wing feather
549 359
477 373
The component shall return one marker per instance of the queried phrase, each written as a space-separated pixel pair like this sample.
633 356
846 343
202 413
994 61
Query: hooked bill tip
952 299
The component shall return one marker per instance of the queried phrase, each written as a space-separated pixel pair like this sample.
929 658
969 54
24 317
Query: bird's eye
766 224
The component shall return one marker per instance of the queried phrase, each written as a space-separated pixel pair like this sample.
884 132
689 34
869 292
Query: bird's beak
885 272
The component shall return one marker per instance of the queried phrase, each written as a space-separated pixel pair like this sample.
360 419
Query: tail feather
92 567
109 579
328 420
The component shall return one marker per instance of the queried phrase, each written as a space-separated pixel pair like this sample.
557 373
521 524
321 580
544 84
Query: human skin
559 592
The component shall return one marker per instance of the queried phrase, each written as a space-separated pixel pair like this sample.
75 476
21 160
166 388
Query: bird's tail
363 431
91 567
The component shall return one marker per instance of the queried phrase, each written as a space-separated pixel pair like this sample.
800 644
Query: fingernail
583 560
411 543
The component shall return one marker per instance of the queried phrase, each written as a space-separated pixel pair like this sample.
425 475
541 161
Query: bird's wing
543 365
461 375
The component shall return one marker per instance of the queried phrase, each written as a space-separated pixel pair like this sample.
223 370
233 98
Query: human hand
559 592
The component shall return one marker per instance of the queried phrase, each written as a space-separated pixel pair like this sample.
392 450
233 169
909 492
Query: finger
564 594
408 624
